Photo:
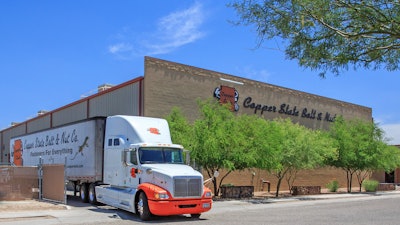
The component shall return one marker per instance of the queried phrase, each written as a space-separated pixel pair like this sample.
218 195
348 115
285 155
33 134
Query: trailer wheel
92 194
84 192
143 207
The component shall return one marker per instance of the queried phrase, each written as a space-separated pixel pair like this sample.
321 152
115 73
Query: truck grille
187 187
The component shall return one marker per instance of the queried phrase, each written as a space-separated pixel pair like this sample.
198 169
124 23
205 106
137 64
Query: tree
181 129
314 149
218 142
264 137
361 149
370 152
329 35
299 148
350 142
390 158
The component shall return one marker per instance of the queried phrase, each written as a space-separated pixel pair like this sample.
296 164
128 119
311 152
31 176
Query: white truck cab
145 173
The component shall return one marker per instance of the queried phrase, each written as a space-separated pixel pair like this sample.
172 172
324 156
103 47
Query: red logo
227 94
154 130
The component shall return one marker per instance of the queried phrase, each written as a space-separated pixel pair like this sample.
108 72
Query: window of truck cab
160 155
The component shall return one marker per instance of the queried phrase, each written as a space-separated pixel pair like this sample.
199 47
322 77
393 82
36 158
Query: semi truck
128 162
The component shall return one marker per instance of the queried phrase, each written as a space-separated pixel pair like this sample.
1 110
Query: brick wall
317 177
169 84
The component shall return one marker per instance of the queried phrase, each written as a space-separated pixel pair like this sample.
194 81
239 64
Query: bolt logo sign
227 94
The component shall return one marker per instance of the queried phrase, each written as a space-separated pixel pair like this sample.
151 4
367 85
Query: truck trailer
128 162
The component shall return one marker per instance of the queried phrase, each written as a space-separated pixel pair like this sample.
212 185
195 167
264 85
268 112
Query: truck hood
172 170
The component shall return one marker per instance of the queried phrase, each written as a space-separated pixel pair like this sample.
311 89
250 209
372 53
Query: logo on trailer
81 148
17 155
227 94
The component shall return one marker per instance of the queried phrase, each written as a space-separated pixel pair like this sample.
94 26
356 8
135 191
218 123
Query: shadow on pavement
120 214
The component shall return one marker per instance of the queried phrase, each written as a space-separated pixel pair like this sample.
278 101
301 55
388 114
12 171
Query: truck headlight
161 196
208 194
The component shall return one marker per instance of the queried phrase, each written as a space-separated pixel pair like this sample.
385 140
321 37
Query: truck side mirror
133 157
125 157
129 157
187 156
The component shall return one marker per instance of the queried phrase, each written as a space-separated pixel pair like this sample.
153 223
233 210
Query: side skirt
122 198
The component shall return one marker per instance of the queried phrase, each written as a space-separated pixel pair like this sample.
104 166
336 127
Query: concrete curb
261 200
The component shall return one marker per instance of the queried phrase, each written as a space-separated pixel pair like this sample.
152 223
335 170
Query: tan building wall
169 84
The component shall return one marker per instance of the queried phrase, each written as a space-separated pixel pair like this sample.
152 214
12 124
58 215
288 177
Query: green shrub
333 186
370 185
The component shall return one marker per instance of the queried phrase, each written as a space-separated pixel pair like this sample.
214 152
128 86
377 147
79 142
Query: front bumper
178 207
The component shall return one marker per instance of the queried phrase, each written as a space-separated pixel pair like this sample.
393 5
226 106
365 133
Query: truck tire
195 216
143 207
92 194
84 192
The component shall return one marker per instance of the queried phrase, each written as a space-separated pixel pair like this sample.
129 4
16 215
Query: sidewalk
29 205
264 197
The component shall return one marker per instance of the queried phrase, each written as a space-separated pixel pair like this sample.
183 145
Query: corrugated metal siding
123 101
125 98
38 124
2 149
70 114
15 131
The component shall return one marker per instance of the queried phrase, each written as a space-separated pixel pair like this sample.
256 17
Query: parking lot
337 208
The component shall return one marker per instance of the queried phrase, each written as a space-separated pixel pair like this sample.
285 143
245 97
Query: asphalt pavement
21 212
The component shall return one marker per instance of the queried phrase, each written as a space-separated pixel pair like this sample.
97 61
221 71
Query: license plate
206 205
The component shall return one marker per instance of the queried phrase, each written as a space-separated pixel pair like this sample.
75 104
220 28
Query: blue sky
54 52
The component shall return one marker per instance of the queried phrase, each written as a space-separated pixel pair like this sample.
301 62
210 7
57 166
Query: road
343 209
361 210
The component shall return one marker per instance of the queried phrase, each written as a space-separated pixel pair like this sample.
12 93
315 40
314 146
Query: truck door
131 168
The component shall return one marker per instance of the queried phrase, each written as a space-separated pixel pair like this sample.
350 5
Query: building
167 84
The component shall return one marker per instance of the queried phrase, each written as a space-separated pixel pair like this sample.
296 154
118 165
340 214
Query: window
160 155
116 141
110 142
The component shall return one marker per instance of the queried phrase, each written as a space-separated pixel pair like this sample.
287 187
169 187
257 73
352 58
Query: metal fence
19 183
35 182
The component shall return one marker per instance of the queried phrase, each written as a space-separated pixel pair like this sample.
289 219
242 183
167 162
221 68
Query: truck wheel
195 216
143 207
92 194
84 192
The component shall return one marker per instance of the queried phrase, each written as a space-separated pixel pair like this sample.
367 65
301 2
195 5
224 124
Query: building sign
227 94
288 109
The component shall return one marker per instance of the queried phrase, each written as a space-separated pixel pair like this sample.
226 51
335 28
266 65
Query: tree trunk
214 181
290 178
278 185
222 179
361 176
349 180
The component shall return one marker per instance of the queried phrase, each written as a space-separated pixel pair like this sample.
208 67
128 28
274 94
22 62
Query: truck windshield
160 155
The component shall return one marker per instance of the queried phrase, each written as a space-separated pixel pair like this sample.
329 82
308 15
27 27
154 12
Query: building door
389 177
